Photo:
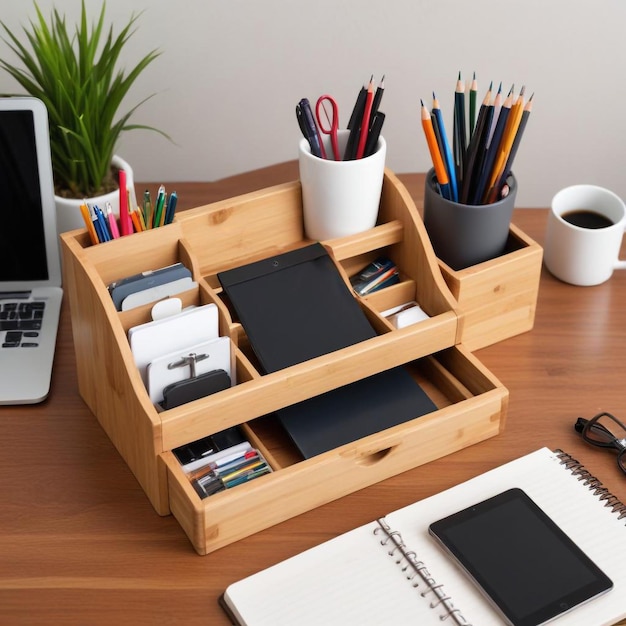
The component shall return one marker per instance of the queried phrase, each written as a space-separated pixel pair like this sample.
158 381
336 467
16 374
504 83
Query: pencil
84 210
476 147
435 155
492 150
378 96
472 105
445 151
135 220
514 148
459 134
508 136
497 106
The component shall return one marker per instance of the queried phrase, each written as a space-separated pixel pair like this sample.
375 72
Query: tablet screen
525 564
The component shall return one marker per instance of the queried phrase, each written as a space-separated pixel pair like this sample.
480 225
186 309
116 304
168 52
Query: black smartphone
523 562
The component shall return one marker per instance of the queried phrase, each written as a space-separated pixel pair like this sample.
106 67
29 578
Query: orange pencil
84 210
435 154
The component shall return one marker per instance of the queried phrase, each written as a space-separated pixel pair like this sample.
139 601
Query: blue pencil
445 150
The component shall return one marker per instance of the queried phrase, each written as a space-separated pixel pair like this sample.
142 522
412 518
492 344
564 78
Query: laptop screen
22 239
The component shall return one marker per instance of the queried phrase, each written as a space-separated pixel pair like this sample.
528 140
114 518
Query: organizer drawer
471 407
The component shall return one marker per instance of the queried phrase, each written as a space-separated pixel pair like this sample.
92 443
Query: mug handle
620 264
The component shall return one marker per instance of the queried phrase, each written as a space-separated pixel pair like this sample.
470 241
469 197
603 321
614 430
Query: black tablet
524 563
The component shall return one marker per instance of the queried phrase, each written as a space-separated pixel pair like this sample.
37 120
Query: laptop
30 264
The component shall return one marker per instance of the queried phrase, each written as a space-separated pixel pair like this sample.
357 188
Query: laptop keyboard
22 322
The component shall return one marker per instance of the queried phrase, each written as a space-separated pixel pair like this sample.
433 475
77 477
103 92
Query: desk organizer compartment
498 297
471 403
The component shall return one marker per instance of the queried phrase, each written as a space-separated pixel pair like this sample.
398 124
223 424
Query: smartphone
523 562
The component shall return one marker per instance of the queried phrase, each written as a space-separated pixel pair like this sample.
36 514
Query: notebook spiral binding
407 559
604 495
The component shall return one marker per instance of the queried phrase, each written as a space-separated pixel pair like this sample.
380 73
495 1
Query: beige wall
232 71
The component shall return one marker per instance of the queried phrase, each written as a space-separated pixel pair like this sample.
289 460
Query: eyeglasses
606 431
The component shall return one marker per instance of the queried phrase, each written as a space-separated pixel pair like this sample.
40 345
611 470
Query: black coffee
587 219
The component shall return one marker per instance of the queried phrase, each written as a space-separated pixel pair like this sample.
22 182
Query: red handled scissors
328 121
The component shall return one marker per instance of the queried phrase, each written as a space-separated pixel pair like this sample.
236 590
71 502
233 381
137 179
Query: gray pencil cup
464 235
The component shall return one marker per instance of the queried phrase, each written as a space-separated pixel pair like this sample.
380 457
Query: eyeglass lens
607 431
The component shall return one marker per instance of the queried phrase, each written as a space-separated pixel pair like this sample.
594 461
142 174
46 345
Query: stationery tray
471 403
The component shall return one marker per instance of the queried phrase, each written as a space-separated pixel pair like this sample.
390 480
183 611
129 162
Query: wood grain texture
81 544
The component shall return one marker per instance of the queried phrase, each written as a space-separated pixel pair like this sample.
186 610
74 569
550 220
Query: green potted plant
75 70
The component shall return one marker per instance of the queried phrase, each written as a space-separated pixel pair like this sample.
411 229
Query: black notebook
390 571
296 306
362 408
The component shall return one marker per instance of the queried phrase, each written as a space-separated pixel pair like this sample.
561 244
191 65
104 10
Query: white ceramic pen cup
585 254
340 198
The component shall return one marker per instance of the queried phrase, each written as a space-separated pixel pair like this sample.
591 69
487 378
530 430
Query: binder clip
195 386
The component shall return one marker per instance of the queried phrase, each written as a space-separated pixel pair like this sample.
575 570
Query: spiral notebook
391 571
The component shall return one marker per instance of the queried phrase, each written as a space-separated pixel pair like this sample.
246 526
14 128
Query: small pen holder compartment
498 297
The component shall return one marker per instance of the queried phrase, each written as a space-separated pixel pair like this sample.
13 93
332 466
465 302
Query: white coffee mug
340 198
584 234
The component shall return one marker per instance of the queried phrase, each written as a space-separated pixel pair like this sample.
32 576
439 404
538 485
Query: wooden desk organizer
471 401
498 297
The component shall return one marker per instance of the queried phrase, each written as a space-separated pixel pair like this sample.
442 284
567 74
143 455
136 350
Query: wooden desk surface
81 545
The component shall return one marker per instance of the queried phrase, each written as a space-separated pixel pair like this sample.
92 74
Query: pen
125 219
115 233
354 125
99 223
374 134
147 209
245 468
245 462
245 478
308 126
159 204
357 111
365 122
171 207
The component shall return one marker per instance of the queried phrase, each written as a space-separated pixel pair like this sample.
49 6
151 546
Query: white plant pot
69 216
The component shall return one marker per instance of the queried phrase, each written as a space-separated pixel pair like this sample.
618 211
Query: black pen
306 121
354 125
374 134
